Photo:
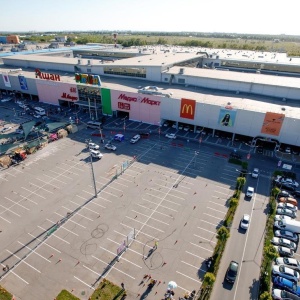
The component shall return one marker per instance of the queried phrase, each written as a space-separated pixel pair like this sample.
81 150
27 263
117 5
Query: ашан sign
47 76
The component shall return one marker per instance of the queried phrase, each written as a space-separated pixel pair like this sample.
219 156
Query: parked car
96 154
288 200
287 285
232 271
287 234
284 242
286 186
171 136
278 294
288 206
281 217
284 251
255 173
6 129
286 212
296 193
284 193
94 146
236 155
289 262
285 272
19 131
281 179
250 191
135 139
110 147
245 222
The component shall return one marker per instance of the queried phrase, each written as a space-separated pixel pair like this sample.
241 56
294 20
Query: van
290 225
96 154
250 192
119 137
39 111
93 124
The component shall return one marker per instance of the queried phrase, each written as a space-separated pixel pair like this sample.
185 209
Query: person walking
123 286
155 245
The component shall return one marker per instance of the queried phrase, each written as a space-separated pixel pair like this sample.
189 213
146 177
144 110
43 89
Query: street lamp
124 125
92 169
159 130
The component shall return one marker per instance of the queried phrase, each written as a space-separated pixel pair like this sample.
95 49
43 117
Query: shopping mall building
192 90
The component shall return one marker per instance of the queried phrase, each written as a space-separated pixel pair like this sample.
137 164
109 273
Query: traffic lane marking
137 212
32 192
34 251
40 187
154 210
17 203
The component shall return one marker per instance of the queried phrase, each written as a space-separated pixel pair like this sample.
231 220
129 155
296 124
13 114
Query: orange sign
187 108
272 123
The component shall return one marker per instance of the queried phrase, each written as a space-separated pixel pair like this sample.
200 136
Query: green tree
209 279
240 182
265 296
223 233
233 202
270 252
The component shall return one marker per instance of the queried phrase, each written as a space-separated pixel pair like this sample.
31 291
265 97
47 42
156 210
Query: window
181 80
166 79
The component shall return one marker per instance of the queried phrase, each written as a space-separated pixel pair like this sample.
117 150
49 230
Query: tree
233 202
209 279
270 252
265 296
223 233
240 182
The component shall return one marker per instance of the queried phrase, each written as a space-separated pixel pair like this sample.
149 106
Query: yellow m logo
187 109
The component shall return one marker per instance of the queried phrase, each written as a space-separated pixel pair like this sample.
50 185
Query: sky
229 16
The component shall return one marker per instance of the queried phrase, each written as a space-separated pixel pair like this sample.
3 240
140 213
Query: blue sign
23 83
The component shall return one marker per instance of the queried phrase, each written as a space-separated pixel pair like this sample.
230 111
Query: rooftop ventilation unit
181 70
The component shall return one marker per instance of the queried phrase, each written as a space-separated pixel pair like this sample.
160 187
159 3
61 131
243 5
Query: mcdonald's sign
187 108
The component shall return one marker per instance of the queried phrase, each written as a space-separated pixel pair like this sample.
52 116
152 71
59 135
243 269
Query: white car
285 272
281 217
287 235
289 181
37 116
286 212
135 139
278 294
283 242
255 173
6 129
6 100
94 146
250 191
110 147
96 154
287 206
171 136
245 221
284 251
289 262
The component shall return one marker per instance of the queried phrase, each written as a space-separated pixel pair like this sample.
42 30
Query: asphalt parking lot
174 193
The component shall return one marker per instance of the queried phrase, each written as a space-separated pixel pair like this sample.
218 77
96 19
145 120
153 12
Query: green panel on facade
106 101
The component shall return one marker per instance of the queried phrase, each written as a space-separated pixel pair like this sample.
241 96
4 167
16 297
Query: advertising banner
272 123
23 83
6 79
51 92
187 108
145 108
227 117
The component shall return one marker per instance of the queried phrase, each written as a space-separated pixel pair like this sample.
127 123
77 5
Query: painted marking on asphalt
116 182
163 199
201 237
144 224
201 247
216 197
34 252
5 219
226 178
73 167
148 216
137 241
39 187
230 175
194 255
84 207
208 223
213 232
17 203
93 202
2 177
111 187
59 174
222 205
92 194
122 178
18 277
198 281
104 191
112 267
193 266
219 211
25 198
71 220
160 205
155 211
152 237
63 227
84 283
53 178
47 183
52 234
8 209
222 187
226 194
213 216
32 192
45 243
23 261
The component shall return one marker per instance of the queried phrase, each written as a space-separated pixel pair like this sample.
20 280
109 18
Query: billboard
187 108
6 79
227 117
272 123
23 83
88 79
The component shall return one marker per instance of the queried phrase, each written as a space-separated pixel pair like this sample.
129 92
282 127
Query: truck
290 225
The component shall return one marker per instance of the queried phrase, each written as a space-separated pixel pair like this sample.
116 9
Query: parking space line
84 283
18 277
67 171
151 217
159 205
104 191
92 194
226 194
5 219
70 219
122 178
171 195
163 199
84 207
63 227
2 177
95 202
216 210
152 237
23 260
137 241
53 178
194 255
35 252
8 209
227 179
58 174
144 223
213 232
128 249
55 186
25 198
53 234
222 205
212 216
198 281
221 187
201 237
113 267
111 187
32 192
120 183
230 175
208 223
44 243
155 211
193 266
39 187
17 203
201 247
73 167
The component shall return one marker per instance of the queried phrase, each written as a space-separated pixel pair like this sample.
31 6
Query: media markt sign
187 108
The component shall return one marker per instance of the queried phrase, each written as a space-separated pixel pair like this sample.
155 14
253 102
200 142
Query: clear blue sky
252 16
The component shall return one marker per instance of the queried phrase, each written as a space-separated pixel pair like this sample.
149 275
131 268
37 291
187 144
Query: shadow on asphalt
253 290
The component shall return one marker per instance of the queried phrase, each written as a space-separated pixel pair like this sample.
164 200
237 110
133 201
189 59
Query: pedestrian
123 286
155 245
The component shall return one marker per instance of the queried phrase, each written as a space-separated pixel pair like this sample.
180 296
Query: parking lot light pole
92 169
159 130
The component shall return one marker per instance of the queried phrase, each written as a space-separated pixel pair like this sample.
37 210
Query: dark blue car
287 285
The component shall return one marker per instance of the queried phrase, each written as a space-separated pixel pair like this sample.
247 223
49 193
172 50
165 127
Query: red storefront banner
187 108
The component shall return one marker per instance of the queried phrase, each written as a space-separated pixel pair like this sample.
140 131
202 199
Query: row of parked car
286 269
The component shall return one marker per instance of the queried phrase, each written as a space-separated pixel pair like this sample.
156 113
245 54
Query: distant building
3 40
13 39
53 45
61 39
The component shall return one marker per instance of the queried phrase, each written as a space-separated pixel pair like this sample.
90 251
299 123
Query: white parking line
193 266
39 187
8 209
25 198
222 205
213 232
111 187
73 167
35 252
59 174
120 183
84 207
45 243
219 211
92 194
201 237
75 215
226 178
17 203
155 211
104 191
226 194
63 227
23 260
150 236
151 217
137 241
84 283
53 178
194 255
128 249
221 187
5 219
160 205
201 247
144 224
198 281
52 234
32 192
55 186
212 216
162 199
18 277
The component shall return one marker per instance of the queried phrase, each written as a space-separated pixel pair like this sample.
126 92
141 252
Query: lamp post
124 125
159 130
92 169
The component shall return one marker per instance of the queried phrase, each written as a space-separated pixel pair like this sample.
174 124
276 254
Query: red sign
68 96
138 99
47 76
125 106
187 108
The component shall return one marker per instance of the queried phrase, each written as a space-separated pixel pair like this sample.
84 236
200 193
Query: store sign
138 99
125 106
187 109
67 96
88 79
47 76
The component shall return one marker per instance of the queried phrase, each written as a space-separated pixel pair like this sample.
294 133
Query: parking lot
175 193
